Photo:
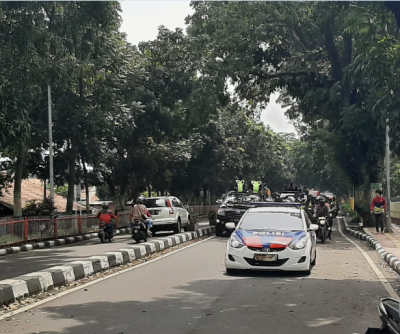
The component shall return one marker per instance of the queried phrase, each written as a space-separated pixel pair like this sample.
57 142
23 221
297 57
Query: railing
22 230
202 210
395 212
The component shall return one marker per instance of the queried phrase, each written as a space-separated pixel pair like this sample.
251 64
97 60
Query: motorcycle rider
140 212
105 216
322 211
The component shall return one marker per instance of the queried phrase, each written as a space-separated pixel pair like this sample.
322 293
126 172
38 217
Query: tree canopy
160 115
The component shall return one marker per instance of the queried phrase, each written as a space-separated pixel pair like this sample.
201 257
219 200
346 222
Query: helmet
322 201
105 206
140 200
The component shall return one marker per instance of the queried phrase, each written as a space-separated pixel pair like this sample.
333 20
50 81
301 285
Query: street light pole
388 221
50 145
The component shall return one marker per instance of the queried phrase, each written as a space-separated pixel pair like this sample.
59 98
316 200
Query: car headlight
301 244
235 242
221 212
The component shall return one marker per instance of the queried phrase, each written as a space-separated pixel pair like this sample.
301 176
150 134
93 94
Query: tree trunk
333 54
19 168
111 186
71 179
122 192
44 189
85 178
73 150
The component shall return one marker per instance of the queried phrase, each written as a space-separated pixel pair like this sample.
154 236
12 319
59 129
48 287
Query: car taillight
171 211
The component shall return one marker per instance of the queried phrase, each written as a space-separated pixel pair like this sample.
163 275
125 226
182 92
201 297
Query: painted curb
11 290
392 261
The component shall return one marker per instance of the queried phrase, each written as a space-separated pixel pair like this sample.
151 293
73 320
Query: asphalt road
19 264
189 293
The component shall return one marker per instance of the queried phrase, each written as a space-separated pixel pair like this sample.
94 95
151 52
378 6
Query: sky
141 20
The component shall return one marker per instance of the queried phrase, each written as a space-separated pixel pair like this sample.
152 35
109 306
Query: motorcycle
105 232
389 313
334 211
139 231
324 229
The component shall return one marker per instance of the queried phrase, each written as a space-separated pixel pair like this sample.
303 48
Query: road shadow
250 305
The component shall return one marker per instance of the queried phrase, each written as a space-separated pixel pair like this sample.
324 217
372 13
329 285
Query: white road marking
378 273
44 301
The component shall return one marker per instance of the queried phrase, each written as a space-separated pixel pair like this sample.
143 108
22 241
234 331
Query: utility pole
50 145
388 221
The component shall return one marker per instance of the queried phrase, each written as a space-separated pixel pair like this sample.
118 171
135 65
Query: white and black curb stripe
389 258
57 242
31 284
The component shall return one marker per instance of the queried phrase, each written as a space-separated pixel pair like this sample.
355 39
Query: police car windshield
286 221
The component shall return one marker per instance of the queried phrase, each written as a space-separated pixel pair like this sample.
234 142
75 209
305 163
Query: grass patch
10 239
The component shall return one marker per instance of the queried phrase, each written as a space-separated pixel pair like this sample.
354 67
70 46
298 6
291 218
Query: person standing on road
379 208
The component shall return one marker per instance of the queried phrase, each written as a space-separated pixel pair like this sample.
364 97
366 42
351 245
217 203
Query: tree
304 51
22 38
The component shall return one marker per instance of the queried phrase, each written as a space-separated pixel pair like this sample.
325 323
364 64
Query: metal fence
22 230
202 210
395 212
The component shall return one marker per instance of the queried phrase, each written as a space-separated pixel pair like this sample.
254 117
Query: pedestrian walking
379 208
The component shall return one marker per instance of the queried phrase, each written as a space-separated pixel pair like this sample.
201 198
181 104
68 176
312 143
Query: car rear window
155 203
287 221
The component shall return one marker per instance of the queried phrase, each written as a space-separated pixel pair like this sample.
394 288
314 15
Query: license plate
265 257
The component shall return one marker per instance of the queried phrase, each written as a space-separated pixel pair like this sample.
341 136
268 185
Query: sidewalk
389 241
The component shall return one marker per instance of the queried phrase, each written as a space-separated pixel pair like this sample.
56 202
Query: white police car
278 236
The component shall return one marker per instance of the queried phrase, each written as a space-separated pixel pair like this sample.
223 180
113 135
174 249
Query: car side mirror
219 201
313 227
230 226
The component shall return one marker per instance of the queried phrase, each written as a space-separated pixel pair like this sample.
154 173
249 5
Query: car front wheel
313 263
231 272
308 271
